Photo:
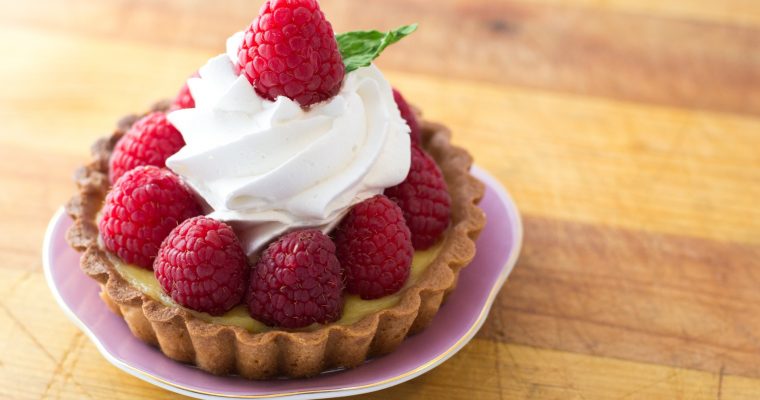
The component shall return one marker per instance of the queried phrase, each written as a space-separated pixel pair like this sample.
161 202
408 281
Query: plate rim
480 173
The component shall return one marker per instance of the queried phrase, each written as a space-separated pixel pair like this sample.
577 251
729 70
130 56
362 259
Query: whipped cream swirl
270 167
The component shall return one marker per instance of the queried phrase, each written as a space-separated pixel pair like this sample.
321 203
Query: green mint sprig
359 48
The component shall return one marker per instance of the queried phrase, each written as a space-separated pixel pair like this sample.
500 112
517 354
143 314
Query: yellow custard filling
354 308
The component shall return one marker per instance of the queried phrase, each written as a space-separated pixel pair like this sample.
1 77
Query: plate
457 321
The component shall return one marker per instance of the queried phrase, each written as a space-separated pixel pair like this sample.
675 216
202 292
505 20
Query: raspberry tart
287 213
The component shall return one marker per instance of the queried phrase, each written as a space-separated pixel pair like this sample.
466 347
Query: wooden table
628 132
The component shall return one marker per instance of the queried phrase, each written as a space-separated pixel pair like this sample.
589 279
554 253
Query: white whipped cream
270 167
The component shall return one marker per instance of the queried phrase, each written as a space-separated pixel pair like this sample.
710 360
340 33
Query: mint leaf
359 48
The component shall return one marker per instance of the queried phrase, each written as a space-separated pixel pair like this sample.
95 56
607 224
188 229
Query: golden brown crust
222 349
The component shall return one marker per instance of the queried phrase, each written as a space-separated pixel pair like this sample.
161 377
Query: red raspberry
290 50
150 141
424 198
408 115
374 248
202 266
184 98
143 206
297 282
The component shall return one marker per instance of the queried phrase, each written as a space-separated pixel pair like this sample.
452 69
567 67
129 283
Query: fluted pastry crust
224 349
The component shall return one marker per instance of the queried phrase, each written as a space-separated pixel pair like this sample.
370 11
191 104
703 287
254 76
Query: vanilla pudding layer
354 308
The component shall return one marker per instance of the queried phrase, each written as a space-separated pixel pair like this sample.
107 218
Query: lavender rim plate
455 324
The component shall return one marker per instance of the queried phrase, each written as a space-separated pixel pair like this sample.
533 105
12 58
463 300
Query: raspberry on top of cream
268 167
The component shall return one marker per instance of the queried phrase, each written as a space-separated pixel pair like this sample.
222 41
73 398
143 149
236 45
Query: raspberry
143 206
184 98
202 266
408 115
297 282
374 248
150 141
424 198
290 50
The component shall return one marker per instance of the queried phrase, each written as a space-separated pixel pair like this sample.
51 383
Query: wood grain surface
628 132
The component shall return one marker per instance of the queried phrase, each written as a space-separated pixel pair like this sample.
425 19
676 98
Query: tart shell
226 350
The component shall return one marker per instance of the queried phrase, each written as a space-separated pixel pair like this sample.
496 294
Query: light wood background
628 132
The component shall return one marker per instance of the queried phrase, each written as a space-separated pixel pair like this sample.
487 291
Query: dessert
287 213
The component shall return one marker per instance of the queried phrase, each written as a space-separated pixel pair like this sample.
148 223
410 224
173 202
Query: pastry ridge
225 349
